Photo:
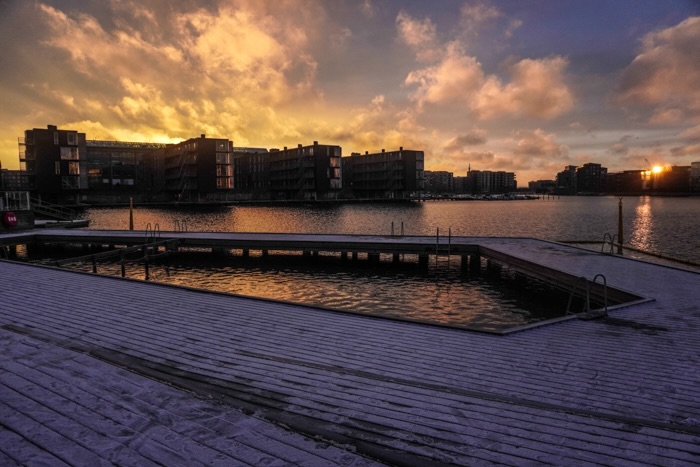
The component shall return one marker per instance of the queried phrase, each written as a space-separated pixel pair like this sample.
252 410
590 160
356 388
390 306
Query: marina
619 387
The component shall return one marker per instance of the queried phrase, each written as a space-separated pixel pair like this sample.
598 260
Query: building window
224 171
68 153
73 168
224 182
223 158
57 167
55 137
71 138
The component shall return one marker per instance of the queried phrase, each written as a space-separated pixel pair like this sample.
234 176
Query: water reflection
490 300
643 226
666 226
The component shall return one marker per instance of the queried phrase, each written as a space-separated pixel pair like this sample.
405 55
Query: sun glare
657 169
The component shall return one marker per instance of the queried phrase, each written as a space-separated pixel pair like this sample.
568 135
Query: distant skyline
523 86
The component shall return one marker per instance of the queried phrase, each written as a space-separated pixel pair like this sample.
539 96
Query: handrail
52 210
605 291
119 252
151 232
586 313
180 226
587 304
612 243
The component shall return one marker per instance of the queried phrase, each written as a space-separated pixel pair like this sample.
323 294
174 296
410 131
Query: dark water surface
667 226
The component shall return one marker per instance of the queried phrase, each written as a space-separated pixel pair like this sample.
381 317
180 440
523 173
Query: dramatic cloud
473 137
664 76
492 83
538 143
190 71
537 87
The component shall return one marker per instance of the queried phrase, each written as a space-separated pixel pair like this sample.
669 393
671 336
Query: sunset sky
527 86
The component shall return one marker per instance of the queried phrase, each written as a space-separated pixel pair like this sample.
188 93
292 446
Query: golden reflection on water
643 225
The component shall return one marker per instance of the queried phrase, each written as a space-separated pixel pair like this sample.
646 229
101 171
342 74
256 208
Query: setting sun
657 169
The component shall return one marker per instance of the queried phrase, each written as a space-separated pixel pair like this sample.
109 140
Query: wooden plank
575 392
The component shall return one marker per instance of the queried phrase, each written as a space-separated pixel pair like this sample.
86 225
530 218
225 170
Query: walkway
620 390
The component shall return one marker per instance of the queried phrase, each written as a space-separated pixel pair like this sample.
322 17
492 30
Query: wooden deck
621 390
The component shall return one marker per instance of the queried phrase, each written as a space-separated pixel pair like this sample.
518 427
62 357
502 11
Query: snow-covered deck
618 390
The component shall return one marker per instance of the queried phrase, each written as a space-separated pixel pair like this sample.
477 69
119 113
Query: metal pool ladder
588 285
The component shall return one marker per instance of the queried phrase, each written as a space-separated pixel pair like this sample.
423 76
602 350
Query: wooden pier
104 370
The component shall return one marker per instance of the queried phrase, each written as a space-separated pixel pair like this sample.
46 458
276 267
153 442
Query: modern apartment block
566 180
55 162
591 178
695 177
251 173
62 166
389 175
305 172
490 182
438 182
199 169
628 181
118 170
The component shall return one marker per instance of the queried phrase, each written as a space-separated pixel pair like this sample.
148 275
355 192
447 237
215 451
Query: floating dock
102 370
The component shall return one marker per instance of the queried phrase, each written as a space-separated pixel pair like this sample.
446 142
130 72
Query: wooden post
131 213
619 227
475 262
423 261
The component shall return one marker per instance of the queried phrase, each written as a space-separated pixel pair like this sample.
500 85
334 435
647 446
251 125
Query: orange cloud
537 87
664 76
420 35
538 143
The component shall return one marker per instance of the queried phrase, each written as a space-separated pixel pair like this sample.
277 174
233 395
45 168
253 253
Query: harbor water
442 293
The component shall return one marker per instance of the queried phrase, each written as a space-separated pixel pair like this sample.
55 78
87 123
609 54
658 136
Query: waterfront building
119 170
199 169
439 182
54 163
12 180
251 173
566 180
63 167
668 179
628 181
305 172
490 182
591 178
542 186
460 185
695 177
386 175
